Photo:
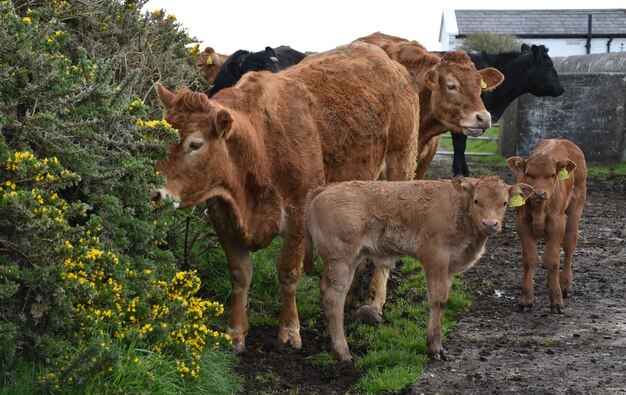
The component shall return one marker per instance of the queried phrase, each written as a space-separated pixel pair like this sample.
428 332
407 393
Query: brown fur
254 151
441 109
210 68
553 217
444 224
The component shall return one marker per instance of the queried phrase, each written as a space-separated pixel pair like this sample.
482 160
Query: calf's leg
529 264
552 262
334 286
438 285
570 239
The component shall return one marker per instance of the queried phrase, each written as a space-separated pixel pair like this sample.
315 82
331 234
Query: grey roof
541 22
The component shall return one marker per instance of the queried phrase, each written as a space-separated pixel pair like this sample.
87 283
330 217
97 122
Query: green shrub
90 275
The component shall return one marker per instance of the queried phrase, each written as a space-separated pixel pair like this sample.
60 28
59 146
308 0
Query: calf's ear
524 190
464 184
165 96
516 164
525 48
223 123
564 168
491 78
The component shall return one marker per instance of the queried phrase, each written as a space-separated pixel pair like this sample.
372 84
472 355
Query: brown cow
444 224
253 151
209 63
450 89
558 172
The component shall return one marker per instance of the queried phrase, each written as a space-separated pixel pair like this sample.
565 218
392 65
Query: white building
564 32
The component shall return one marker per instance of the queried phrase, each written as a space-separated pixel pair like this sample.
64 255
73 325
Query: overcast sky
319 25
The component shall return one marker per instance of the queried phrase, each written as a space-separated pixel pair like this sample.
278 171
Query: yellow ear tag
222 133
432 83
209 60
516 200
562 174
483 85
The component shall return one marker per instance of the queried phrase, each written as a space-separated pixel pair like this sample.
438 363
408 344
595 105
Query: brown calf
450 89
253 151
444 224
558 172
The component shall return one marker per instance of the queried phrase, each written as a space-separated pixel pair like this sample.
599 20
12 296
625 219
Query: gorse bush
490 43
89 270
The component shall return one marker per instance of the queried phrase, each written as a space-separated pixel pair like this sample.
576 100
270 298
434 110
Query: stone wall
591 112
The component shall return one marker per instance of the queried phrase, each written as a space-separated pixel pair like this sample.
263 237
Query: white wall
560 47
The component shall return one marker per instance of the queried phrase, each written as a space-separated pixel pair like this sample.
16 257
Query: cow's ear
525 48
516 163
272 55
234 69
518 193
223 123
564 168
463 184
432 78
165 96
491 78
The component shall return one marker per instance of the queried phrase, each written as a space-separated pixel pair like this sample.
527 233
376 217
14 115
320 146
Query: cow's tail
308 242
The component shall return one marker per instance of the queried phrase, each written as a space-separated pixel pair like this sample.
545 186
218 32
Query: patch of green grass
266 377
324 360
607 171
548 342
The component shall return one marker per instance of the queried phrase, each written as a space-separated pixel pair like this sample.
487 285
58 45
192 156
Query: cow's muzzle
160 195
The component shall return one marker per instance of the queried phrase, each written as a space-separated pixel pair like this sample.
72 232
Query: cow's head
542 172
209 63
197 166
543 79
255 61
456 86
489 198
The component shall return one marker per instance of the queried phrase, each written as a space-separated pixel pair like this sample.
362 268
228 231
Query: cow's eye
451 87
475 201
553 175
504 204
194 146
527 175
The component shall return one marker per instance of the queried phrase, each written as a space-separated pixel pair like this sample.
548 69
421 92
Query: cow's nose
157 196
483 120
491 226
540 195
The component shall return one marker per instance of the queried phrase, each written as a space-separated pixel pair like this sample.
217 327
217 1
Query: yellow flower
26 19
171 17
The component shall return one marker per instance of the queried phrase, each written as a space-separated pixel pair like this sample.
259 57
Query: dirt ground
497 349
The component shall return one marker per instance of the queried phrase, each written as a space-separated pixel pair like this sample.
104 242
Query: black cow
529 71
242 61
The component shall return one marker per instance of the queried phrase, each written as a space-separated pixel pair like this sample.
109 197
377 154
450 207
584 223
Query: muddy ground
497 349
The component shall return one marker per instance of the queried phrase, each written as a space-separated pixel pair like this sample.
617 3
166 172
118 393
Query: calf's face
195 166
489 198
542 172
456 86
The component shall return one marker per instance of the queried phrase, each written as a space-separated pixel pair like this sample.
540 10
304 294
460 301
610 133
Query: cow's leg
355 294
336 280
570 239
552 263
459 164
289 267
425 157
240 270
438 284
529 264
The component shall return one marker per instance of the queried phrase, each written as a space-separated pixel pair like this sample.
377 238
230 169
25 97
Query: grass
487 146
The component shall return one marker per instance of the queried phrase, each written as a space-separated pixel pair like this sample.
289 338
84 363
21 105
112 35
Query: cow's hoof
369 316
239 348
556 309
567 292
439 356
525 308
